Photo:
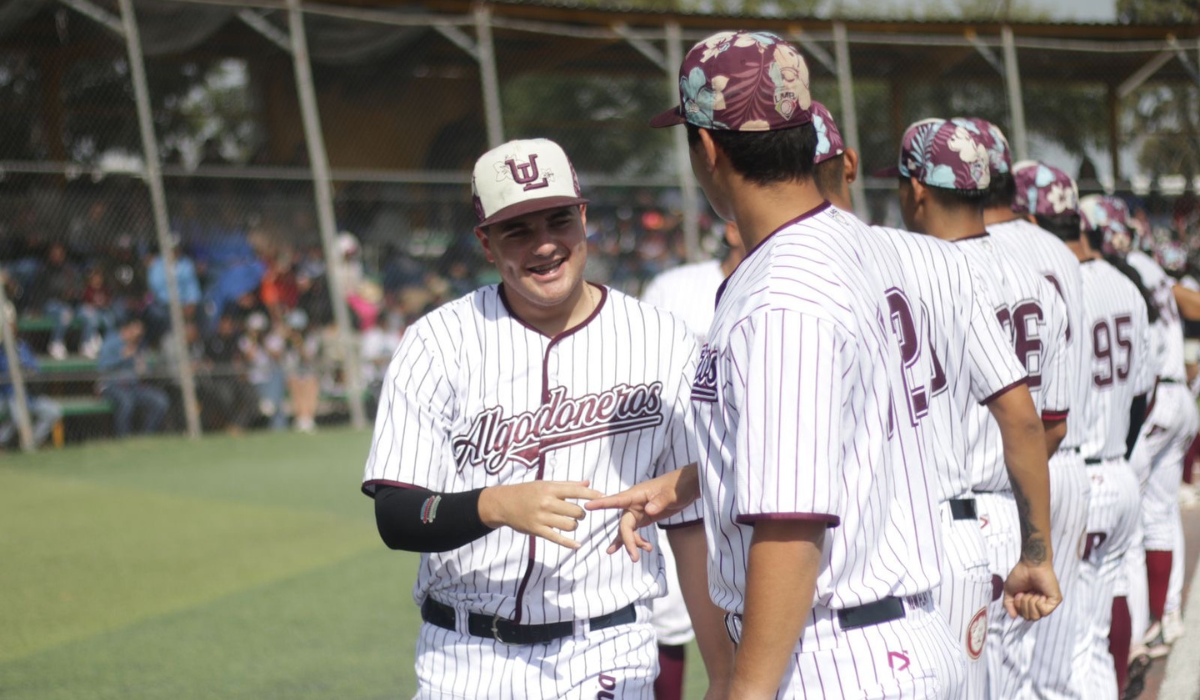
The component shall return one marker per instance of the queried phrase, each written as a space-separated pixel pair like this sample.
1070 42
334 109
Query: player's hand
538 508
1031 591
647 503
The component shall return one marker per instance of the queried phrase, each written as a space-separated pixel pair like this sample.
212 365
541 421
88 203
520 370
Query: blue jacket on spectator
115 367
185 277
28 361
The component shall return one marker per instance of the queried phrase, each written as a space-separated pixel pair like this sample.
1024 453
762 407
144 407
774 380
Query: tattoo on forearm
1033 544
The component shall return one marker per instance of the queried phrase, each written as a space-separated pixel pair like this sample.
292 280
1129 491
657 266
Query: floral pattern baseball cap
741 81
829 139
1043 190
1111 216
1171 255
522 177
950 154
999 155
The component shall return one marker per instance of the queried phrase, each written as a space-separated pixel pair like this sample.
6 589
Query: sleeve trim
751 518
1054 415
680 526
995 395
368 487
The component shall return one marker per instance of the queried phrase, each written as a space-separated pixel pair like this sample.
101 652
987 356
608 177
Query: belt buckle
496 630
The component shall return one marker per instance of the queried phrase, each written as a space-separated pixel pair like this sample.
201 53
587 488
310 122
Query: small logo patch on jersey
704 388
492 440
429 509
897 657
977 634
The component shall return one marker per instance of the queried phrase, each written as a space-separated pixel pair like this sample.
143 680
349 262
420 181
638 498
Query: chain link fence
406 100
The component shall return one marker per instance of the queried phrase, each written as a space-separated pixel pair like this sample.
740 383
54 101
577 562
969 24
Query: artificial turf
244 567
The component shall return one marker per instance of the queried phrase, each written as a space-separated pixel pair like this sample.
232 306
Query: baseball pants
670 618
1112 524
617 662
964 595
1053 639
909 658
1132 584
1178 561
1007 656
1157 460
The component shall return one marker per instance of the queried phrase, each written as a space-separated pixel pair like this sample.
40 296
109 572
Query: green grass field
223 568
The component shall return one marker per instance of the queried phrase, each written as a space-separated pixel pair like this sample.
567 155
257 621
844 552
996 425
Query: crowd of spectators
258 322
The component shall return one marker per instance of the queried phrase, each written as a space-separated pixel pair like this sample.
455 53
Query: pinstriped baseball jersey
1045 254
689 292
792 398
1035 316
476 398
1114 313
1168 330
973 360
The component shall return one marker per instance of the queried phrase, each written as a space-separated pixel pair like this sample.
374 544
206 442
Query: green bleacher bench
78 406
49 365
32 324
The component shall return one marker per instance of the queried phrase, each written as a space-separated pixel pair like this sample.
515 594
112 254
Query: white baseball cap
522 177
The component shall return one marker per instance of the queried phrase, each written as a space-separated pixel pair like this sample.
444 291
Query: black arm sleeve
417 520
1137 416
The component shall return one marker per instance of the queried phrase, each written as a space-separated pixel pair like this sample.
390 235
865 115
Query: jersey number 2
909 338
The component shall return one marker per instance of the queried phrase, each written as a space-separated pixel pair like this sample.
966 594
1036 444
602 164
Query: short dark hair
957 199
1001 191
830 174
766 157
1065 226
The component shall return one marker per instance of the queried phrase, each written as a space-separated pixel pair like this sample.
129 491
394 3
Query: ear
1031 218
733 235
850 165
920 192
583 214
487 243
708 150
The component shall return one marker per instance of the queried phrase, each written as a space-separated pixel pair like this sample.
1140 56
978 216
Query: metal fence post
849 111
19 405
158 200
492 110
683 162
323 190
1016 103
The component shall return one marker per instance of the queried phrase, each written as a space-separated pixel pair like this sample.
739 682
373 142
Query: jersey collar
806 215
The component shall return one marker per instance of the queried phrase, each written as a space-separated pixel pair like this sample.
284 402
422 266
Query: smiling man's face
540 257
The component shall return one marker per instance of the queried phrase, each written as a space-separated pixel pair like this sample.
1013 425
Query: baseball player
951 209
685 292
1157 456
976 366
1023 201
807 457
1115 315
501 409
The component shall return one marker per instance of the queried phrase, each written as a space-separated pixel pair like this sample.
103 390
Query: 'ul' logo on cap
527 173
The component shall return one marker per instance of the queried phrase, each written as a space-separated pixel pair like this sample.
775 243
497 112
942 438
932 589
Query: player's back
1114 314
1035 315
1043 252
1168 329
805 303
689 292
951 310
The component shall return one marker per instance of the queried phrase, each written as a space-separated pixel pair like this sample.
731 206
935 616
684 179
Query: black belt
1169 381
885 610
963 509
1092 460
509 632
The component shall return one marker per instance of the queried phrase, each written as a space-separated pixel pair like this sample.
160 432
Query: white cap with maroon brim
522 177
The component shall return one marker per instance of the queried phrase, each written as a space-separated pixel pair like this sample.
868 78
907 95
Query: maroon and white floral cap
522 177
1043 190
1111 216
999 156
829 139
741 81
944 153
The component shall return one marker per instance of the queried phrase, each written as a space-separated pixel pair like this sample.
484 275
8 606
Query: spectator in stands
123 364
236 401
43 412
303 371
158 316
264 347
57 291
95 311
127 275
